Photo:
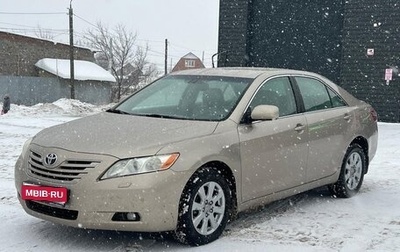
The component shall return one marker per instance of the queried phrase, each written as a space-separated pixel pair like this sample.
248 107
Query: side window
337 101
315 94
277 92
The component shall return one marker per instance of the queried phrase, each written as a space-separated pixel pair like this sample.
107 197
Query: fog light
131 216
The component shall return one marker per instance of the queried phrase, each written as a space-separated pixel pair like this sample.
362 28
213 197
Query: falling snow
312 221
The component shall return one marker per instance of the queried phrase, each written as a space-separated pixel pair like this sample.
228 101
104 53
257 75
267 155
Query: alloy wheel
208 208
353 170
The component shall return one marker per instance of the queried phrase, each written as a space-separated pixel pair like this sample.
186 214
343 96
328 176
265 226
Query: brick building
28 84
189 61
352 42
18 53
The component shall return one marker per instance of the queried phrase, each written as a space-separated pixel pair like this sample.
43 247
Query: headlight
24 154
25 148
134 166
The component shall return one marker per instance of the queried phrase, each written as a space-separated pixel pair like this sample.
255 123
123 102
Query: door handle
347 117
299 128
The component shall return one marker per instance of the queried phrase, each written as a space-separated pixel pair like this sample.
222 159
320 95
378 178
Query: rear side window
315 94
337 101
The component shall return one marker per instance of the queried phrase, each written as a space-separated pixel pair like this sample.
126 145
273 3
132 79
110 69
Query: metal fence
32 90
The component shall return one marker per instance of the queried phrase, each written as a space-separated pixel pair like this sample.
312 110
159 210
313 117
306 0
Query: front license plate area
58 195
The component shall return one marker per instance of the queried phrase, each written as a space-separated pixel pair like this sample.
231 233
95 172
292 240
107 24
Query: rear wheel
352 173
205 208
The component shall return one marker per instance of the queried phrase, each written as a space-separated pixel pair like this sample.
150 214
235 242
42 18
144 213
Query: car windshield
209 98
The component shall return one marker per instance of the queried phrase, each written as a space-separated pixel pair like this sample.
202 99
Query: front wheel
352 173
205 208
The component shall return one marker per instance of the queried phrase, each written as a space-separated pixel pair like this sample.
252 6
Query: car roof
242 72
264 73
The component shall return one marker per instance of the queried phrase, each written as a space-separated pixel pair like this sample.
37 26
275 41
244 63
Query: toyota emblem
50 159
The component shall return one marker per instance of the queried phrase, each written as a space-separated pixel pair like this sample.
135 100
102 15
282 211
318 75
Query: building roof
84 70
190 56
189 61
12 35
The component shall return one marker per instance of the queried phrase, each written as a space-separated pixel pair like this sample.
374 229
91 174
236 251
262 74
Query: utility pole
166 58
71 51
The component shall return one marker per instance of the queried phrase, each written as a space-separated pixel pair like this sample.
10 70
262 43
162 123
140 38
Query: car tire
352 173
205 208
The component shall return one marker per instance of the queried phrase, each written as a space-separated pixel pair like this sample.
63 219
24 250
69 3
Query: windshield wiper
161 116
117 111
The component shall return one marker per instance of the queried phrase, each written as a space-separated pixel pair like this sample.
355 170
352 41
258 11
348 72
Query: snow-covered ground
311 221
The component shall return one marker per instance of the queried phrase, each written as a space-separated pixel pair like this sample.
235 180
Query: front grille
67 171
52 211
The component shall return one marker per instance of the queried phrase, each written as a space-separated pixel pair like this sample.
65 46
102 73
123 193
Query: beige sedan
191 150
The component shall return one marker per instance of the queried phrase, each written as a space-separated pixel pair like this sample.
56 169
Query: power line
16 25
144 40
153 53
150 50
32 27
32 13
153 41
84 20
59 32
186 49
32 30
178 46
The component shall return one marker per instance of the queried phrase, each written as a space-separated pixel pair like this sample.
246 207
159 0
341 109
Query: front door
273 153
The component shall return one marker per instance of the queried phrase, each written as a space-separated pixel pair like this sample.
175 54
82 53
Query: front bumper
93 204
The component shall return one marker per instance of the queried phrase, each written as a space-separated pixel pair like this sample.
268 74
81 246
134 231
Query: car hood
122 136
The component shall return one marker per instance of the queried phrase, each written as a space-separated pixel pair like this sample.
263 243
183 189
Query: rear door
273 153
329 121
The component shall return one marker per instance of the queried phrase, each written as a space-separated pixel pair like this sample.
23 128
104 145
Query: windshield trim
183 94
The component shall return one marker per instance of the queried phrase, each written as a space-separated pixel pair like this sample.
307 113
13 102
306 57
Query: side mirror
265 112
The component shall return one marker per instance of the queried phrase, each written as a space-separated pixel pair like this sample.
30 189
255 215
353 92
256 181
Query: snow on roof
84 70
190 56
55 42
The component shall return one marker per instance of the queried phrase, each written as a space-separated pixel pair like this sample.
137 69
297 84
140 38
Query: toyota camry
188 152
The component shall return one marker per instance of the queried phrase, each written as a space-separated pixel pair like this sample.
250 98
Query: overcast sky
189 25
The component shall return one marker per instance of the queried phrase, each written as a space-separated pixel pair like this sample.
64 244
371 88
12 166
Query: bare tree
118 49
149 74
43 33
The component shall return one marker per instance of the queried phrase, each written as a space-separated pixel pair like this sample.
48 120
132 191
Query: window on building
190 63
